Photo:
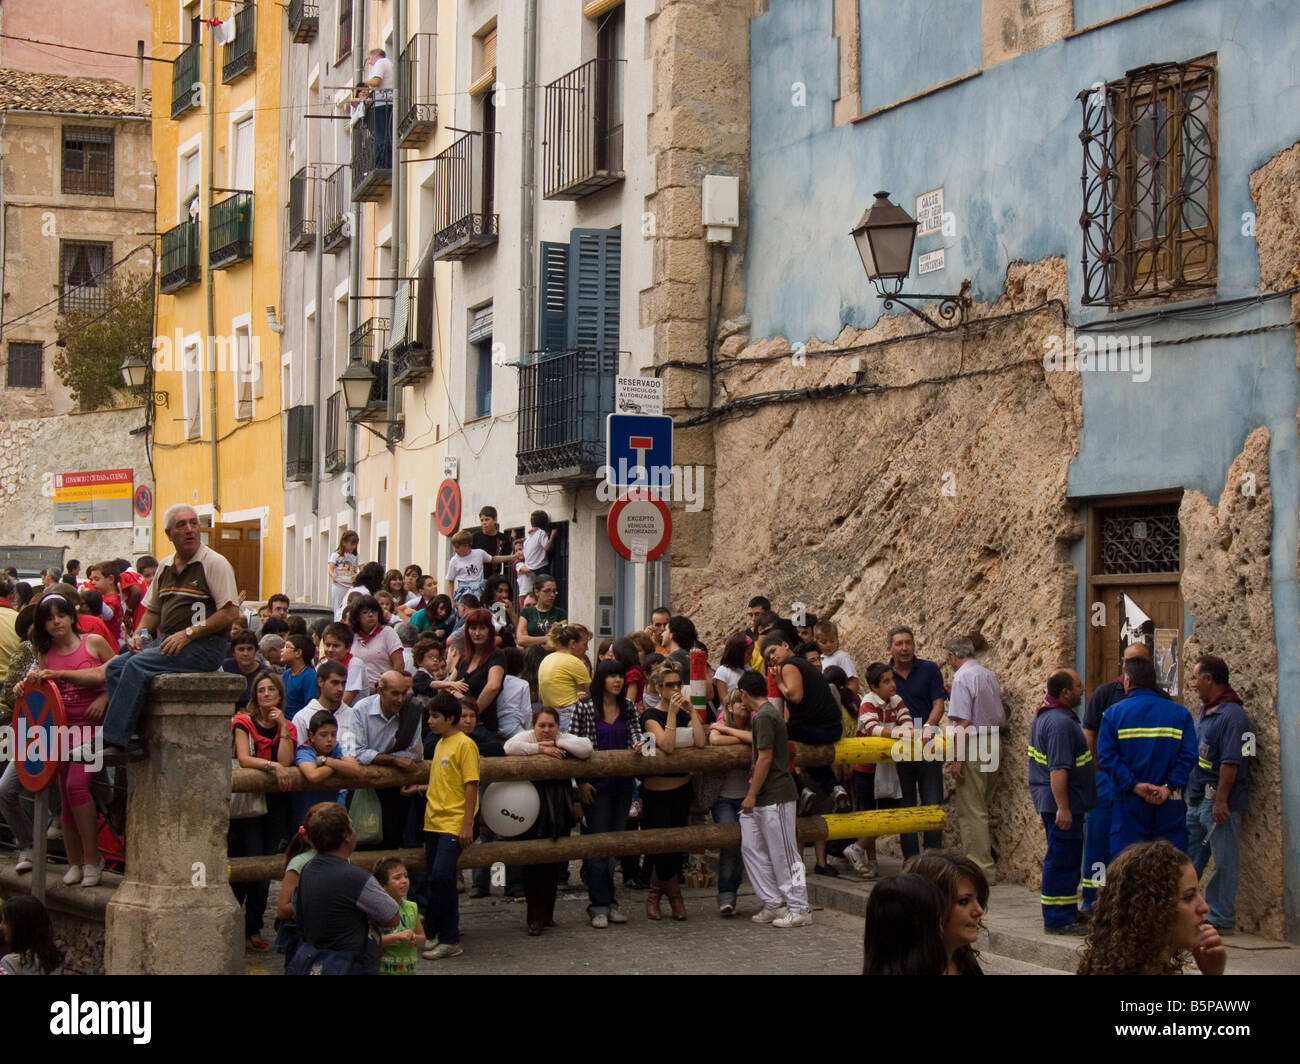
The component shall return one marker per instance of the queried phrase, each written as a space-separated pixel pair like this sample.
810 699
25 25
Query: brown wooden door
240 543
1159 601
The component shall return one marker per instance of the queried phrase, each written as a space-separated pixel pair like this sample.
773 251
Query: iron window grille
1141 539
417 89
186 86
179 264
302 220
84 274
1150 183
582 140
335 457
461 178
24 365
230 233
563 401
87 161
298 443
240 55
337 202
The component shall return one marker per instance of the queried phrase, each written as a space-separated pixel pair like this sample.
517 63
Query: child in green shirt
402 945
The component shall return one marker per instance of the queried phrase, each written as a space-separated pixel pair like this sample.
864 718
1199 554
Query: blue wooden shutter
593 289
552 319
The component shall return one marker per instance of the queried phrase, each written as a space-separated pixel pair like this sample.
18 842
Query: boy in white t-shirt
330 678
537 544
466 568
828 638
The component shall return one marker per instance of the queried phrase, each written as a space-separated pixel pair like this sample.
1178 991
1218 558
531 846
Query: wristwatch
189 632
320 760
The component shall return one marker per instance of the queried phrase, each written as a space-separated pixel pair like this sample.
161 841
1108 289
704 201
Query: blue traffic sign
639 451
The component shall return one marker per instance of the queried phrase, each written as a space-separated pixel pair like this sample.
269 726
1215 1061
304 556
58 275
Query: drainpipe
318 201
398 259
354 254
528 189
209 352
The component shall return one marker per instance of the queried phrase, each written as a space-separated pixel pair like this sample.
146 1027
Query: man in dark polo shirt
920 685
189 609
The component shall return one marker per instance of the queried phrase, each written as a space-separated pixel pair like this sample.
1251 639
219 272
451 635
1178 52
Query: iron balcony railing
461 227
335 417
411 359
417 88
298 442
179 265
304 20
582 137
187 89
240 55
563 401
230 231
302 219
336 204
90 298
372 148
366 343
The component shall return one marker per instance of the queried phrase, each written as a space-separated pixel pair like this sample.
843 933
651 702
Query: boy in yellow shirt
452 801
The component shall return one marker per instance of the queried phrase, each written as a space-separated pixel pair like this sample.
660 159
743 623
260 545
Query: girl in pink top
74 663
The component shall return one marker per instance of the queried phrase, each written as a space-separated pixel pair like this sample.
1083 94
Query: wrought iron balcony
335 418
179 265
90 298
186 86
304 20
337 202
582 137
367 341
460 225
417 88
376 408
240 55
230 231
302 219
411 359
372 149
298 442
563 401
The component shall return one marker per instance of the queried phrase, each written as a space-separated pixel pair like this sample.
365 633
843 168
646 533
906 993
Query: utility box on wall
720 207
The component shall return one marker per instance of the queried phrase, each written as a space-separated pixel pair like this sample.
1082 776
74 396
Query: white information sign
929 212
638 395
930 261
451 467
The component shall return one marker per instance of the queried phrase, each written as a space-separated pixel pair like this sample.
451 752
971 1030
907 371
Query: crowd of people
488 663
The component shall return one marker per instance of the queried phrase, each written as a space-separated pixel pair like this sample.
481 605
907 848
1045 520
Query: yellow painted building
218 441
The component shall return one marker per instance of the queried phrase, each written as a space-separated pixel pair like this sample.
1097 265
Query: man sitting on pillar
189 609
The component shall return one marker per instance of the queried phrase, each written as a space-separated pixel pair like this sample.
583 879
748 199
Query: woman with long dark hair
610 724
374 643
626 653
966 899
1150 916
666 800
901 933
482 670
28 935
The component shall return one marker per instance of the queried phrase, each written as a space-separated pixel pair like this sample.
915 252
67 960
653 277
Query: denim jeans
13 811
730 865
129 676
927 777
441 852
1207 839
607 813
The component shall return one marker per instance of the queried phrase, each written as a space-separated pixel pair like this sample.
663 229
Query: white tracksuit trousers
773 859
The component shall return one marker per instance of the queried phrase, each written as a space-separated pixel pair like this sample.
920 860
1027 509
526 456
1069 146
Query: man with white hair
189 609
974 703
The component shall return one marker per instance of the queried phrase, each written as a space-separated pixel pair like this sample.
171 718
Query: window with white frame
192 387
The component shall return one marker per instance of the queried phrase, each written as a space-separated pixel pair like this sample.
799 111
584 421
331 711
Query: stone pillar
174 912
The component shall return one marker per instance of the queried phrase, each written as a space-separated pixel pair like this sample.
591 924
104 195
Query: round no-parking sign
639 526
39 722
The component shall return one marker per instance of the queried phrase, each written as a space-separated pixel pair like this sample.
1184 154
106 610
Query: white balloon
510 808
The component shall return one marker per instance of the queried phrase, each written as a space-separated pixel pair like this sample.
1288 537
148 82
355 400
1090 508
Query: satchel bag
248 804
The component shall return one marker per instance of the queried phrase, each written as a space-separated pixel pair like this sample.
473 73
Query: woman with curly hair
1149 916
966 899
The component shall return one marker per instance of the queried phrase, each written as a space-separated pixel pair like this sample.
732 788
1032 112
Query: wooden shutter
552 312
593 289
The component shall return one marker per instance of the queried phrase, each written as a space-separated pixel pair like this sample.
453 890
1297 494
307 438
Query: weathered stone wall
77 914
1226 585
34 447
935 500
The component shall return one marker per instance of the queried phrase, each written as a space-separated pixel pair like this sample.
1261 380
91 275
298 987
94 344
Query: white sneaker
24 862
54 831
769 916
600 921
430 944
91 874
793 919
857 857
442 952
72 876
807 801
840 801
616 917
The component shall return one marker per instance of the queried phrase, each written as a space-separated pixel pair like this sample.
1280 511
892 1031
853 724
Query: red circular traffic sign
446 518
143 500
39 721
639 521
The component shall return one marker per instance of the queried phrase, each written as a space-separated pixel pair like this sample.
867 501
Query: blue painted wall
1005 148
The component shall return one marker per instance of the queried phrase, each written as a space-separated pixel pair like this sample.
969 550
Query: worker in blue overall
1063 786
1147 745
1096 843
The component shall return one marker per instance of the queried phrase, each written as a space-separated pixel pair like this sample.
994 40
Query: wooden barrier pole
623 763
870 824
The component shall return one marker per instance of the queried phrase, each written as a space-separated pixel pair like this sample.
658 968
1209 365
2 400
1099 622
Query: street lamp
135 374
885 235
356 383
